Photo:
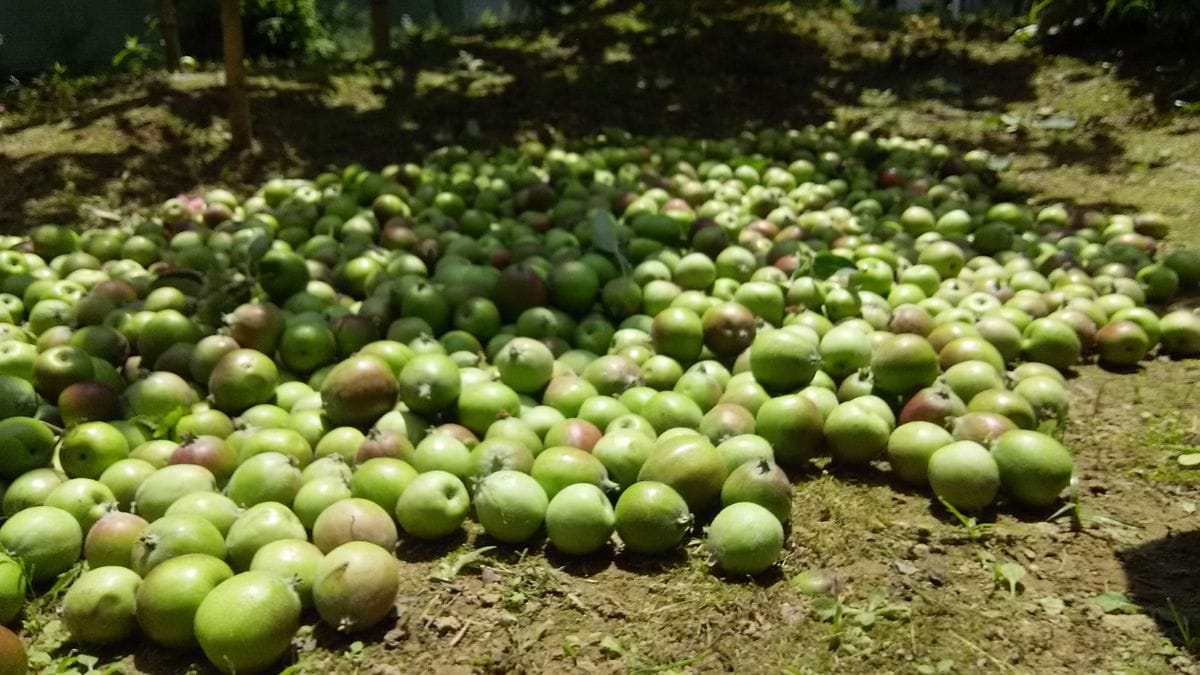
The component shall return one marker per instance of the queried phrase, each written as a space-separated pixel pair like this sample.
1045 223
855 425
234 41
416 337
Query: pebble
789 613
937 574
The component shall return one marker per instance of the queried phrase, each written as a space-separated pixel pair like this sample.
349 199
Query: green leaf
1114 602
448 571
1039 7
604 232
877 599
604 237
804 264
1189 459
827 608
827 264
257 248
62 583
975 531
167 423
1011 574
609 644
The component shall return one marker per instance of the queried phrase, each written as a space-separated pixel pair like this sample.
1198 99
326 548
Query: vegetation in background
169 28
1151 42
381 27
288 29
234 52
1164 22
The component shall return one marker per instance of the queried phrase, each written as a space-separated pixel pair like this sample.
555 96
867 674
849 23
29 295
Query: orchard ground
1108 587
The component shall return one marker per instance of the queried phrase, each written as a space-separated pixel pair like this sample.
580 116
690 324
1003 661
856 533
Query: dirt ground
1106 587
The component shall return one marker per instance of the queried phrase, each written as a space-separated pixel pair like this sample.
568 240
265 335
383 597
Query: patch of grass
1169 438
1188 632
851 625
976 531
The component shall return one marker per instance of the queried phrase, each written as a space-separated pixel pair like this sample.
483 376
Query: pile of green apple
233 410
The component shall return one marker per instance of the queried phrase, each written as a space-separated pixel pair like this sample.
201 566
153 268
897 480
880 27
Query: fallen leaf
1189 460
1113 602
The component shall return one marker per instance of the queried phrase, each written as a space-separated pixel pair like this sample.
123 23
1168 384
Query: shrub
272 28
1170 21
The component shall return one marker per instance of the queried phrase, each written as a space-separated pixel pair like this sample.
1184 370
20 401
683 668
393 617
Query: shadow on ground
704 70
1163 581
1162 62
707 69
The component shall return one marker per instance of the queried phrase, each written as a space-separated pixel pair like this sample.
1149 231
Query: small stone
393 637
1131 624
937 575
489 599
447 624
790 614
1046 529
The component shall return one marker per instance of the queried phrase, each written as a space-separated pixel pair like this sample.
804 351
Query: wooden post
235 73
381 28
168 25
